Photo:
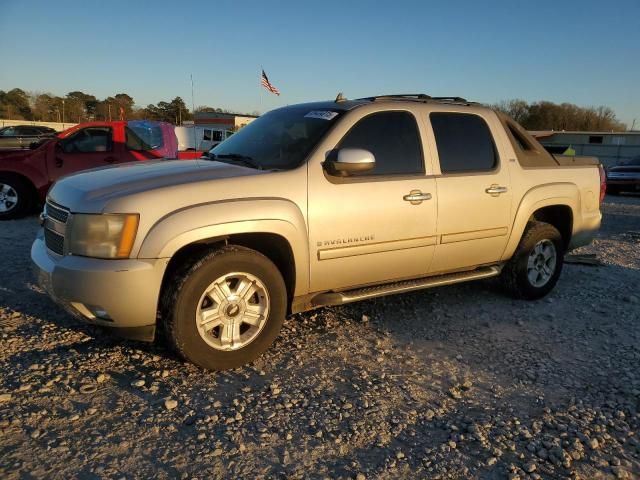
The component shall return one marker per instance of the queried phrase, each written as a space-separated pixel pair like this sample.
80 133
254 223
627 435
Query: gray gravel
458 382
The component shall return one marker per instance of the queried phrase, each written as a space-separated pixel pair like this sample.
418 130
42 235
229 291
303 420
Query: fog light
101 314
92 312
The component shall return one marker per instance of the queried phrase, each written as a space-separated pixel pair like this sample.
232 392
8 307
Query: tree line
77 106
545 115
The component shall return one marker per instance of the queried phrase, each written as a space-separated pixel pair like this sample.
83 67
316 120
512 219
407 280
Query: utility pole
109 105
63 113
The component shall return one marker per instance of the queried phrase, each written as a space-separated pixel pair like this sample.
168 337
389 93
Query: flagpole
260 87
193 116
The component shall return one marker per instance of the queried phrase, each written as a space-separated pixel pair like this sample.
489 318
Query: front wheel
16 198
535 267
226 309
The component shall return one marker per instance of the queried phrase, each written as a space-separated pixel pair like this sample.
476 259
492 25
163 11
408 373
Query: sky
584 52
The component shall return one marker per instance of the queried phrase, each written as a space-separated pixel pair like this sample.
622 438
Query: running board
355 295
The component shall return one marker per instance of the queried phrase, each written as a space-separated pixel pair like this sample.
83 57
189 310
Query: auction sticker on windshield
321 114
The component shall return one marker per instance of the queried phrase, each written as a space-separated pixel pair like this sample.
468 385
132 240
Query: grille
57 213
54 241
53 233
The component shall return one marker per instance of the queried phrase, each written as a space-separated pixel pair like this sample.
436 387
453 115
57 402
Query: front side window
89 140
464 143
9 132
393 139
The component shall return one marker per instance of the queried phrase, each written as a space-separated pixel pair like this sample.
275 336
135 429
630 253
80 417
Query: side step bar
348 296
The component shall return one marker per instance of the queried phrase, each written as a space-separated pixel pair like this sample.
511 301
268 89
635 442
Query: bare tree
544 115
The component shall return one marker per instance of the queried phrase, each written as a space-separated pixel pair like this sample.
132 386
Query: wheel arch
273 246
283 240
27 181
557 204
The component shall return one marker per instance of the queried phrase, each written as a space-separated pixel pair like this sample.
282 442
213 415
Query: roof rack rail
419 97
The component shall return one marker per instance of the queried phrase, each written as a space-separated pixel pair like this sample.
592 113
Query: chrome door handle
496 190
416 197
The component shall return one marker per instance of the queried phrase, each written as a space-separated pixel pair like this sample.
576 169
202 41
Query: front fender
552 194
225 218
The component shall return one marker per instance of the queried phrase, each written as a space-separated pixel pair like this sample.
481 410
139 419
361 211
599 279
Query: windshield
280 139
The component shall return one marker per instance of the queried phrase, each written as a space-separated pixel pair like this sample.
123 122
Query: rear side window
393 139
464 143
519 138
143 136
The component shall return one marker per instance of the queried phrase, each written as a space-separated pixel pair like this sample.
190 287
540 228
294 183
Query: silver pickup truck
313 205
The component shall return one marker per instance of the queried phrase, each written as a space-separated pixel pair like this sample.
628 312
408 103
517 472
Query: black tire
25 197
515 275
183 293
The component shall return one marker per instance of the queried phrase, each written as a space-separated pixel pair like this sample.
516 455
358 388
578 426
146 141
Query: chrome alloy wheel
232 311
8 198
541 264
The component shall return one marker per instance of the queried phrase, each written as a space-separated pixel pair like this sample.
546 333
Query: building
222 121
609 147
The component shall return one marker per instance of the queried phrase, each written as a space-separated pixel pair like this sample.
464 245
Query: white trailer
199 138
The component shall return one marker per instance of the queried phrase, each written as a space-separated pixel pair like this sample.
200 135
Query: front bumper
119 294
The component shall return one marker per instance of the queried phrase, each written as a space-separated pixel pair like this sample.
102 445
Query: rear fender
566 194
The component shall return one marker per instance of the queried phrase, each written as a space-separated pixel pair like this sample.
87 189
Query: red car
26 176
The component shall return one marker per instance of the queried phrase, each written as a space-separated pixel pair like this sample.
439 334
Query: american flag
267 84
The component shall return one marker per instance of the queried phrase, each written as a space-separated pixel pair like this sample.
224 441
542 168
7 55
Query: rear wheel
225 309
16 197
535 267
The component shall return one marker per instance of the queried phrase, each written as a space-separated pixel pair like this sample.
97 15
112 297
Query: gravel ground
457 382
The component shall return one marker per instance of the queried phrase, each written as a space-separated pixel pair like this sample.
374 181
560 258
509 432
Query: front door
474 193
365 228
87 148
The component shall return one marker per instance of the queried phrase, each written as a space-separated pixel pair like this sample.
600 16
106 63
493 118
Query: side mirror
63 146
352 160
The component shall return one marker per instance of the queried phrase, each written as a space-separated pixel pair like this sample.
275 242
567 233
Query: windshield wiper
245 160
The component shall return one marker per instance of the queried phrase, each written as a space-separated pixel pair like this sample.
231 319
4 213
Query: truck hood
91 190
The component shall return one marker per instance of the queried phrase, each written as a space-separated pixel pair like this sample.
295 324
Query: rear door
87 148
474 191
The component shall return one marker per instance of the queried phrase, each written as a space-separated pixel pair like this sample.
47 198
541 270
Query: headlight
102 236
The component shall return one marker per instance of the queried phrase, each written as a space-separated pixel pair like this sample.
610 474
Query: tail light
603 182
